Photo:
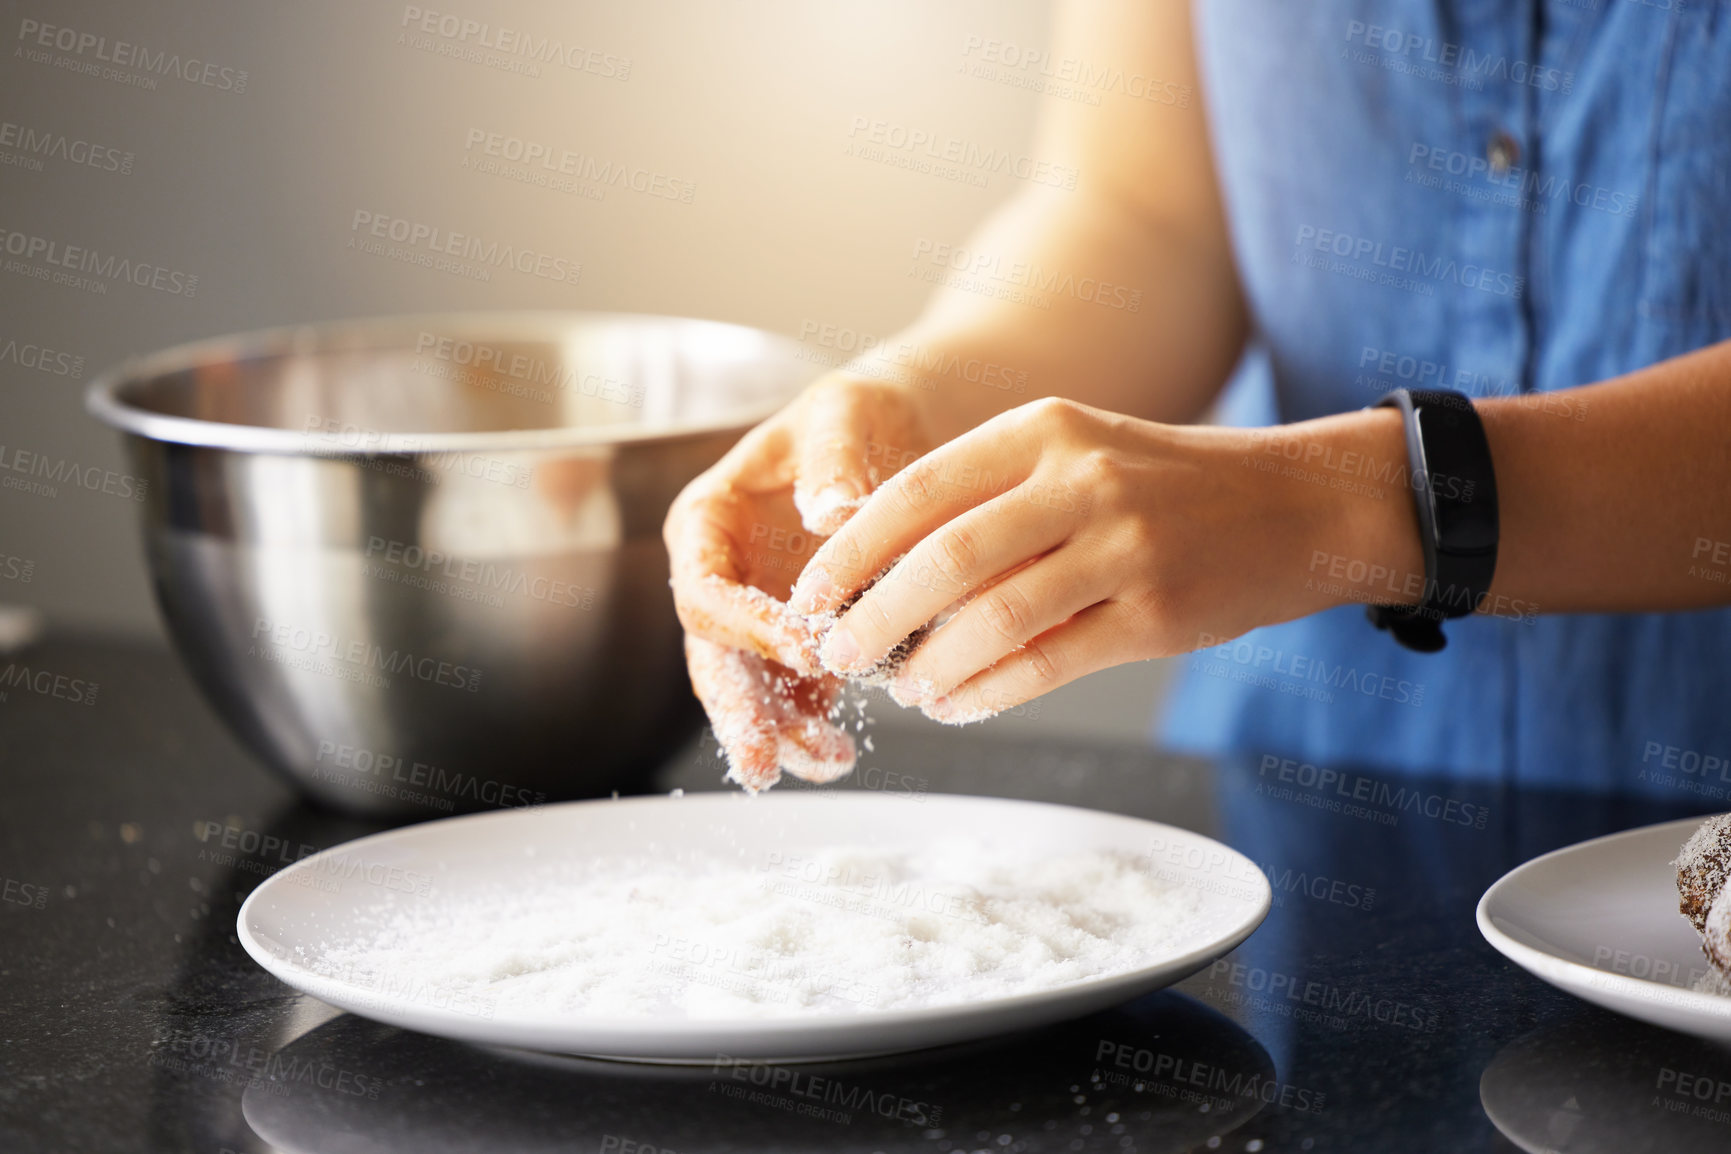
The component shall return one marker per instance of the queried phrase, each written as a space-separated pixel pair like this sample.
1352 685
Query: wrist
956 379
1355 532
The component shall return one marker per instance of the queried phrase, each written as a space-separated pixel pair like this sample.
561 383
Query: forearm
1106 307
1122 291
1613 497
1627 508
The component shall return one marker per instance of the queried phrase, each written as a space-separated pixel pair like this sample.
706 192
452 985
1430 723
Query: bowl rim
104 400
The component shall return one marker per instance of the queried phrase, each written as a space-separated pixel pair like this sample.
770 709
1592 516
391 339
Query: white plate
291 913
1599 919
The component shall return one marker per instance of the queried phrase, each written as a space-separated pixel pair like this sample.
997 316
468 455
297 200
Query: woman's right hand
738 536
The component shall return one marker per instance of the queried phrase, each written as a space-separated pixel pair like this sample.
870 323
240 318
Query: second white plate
1599 919
287 921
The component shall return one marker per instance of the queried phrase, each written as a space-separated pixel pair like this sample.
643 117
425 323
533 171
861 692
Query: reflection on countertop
1607 1085
1160 1074
136 1022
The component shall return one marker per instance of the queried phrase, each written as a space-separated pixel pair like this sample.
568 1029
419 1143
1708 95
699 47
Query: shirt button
1503 152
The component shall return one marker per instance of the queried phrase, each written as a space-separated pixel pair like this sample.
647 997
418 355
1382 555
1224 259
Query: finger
1000 619
729 684
698 533
811 746
977 547
711 599
831 480
817 753
943 484
766 718
1100 636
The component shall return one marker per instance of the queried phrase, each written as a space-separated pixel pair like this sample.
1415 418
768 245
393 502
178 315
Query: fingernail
801 655
832 499
938 709
812 593
841 651
908 692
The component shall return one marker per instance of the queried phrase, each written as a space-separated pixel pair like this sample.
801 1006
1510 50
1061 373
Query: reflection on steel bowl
416 563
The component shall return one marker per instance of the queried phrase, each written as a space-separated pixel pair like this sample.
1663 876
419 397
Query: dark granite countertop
1366 1014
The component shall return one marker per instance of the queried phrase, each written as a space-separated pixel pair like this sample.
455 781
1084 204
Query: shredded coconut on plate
836 931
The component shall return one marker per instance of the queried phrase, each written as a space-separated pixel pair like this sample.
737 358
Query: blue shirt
1495 196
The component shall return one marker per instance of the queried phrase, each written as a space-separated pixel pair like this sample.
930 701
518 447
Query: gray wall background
751 102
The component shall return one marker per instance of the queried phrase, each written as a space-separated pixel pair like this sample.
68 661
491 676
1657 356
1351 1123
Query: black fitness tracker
1455 492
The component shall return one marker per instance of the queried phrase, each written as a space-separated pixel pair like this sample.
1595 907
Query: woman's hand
736 538
1076 539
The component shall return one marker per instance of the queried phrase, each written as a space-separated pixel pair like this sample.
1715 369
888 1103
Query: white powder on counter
836 931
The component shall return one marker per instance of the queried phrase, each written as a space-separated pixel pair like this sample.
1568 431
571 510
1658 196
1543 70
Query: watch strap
1454 492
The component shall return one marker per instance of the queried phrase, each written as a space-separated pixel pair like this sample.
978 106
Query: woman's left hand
1076 539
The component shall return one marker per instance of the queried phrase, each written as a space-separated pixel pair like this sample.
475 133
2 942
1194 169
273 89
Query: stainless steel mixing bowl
416 563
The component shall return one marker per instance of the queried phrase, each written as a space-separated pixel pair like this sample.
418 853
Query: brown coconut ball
1703 865
1716 937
